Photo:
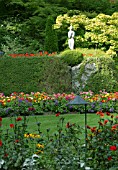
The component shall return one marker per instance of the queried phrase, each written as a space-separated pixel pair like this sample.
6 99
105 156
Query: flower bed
45 53
41 103
61 150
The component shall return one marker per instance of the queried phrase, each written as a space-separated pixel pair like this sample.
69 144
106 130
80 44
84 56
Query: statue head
71 27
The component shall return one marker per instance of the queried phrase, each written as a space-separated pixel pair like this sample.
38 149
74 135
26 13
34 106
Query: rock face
95 74
89 69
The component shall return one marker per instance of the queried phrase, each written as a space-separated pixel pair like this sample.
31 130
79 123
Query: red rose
88 127
68 125
57 114
107 113
19 119
105 122
113 148
114 127
109 158
16 141
93 129
0 119
0 143
5 155
11 125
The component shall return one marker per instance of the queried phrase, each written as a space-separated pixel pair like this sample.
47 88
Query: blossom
11 125
105 122
114 127
16 141
0 119
31 109
5 155
40 145
88 127
19 119
0 143
100 113
113 148
68 125
93 129
109 158
107 113
57 114
39 151
30 135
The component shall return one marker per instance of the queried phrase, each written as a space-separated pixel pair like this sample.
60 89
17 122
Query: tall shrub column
51 41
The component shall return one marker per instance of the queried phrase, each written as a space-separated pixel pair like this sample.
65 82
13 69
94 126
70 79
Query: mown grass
51 121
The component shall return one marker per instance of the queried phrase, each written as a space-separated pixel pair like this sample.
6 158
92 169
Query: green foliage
71 57
62 149
48 74
99 32
29 18
91 52
105 76
51 43
15 145
102 143
54 76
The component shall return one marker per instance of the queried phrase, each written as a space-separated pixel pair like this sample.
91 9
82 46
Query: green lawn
50 121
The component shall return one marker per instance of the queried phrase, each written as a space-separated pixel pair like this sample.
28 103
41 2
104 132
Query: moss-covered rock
95 73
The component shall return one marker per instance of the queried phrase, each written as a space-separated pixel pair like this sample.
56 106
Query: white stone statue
71 35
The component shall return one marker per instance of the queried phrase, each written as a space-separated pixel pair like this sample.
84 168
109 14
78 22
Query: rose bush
102 143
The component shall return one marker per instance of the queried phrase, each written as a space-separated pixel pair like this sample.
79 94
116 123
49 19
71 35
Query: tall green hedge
22 74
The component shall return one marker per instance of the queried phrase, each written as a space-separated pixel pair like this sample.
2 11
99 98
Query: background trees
51 41
24 21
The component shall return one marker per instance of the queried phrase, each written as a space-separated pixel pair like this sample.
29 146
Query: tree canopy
23 22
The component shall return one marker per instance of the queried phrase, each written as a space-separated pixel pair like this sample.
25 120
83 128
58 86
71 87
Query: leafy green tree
51 43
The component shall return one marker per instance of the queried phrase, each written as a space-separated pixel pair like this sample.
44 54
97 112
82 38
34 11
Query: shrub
48 74
103 143
104 77
71 57
100 31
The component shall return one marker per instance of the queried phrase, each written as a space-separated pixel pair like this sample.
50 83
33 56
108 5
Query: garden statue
71 35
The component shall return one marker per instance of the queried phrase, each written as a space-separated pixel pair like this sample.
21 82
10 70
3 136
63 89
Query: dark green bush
71 57
47 74
105 77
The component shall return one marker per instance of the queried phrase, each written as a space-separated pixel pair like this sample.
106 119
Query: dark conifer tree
51 40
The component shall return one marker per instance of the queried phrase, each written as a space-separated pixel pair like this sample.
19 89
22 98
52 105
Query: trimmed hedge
23 74
71 57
